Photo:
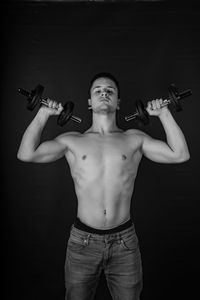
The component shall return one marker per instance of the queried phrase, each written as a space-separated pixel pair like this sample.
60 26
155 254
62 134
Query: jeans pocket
130 243
77 243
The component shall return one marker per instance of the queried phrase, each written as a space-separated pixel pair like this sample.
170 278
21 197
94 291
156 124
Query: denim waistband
83 227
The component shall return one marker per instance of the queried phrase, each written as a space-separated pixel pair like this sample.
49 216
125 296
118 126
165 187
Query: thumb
59 109
149 108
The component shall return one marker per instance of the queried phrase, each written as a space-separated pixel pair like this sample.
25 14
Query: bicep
49 151
157 150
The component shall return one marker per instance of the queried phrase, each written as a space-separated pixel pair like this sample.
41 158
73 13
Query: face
104 96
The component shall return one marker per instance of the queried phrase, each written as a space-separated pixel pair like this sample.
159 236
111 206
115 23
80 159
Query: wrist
42 115
165 113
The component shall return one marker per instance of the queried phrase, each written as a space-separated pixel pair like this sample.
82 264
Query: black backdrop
146 46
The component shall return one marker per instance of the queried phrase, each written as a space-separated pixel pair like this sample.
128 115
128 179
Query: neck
104 123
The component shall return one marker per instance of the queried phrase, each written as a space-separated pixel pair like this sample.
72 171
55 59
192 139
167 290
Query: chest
107 151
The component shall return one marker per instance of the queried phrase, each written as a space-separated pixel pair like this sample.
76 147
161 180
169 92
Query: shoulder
135 132
137 135
66 136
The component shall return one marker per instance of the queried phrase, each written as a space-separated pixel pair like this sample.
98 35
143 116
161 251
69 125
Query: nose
104 94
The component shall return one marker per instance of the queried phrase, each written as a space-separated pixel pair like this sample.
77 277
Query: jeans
117 254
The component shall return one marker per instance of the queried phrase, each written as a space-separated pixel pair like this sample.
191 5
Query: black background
146 46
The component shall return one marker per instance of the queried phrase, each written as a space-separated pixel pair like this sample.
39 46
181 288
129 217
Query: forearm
32 135
174 135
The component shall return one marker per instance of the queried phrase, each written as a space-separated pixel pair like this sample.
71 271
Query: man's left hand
154 107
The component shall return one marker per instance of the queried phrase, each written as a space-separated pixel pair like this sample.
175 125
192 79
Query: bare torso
104 168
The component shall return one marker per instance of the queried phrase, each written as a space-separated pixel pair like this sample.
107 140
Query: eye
96 91
110 92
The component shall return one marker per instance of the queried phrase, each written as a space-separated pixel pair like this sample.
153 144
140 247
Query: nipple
124 157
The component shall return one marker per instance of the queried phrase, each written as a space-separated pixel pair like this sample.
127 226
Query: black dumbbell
34 98
141 113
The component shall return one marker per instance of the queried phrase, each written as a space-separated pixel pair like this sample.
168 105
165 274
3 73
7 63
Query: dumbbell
141 113
34 98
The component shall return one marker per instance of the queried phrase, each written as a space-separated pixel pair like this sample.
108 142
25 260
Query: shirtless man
103 162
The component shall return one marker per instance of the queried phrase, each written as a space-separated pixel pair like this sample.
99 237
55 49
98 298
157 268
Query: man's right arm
31 150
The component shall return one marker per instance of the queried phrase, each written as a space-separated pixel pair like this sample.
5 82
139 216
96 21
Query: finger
153 104
47 100
149 106
50 103
60 106
161 101
54 104
158 103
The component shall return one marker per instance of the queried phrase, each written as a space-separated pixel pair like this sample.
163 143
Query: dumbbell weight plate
174 97
142 114
35 97
66 113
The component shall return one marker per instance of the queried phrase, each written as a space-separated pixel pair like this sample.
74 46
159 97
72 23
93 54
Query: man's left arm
175 150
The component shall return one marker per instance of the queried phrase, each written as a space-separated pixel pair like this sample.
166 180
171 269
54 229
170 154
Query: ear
89 102
118 103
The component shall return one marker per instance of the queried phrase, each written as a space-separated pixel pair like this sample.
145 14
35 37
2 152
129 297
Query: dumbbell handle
74 118
44 102
24 92
165 103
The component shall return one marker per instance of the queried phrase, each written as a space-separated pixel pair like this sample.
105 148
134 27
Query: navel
84 157
124 157
104 212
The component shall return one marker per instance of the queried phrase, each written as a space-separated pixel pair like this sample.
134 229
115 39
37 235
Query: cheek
93 102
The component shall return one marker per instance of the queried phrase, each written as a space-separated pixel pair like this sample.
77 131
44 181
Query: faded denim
117 255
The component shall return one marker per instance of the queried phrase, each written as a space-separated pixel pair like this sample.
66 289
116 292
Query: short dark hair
104 75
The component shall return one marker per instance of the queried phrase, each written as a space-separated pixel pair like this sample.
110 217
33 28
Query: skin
104 159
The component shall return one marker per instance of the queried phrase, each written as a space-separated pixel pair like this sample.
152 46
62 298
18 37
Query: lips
104 99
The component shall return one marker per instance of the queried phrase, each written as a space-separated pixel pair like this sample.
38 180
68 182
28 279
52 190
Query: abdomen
105 201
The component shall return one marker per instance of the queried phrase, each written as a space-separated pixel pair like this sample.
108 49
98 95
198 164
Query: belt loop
120 237
121 241
86 240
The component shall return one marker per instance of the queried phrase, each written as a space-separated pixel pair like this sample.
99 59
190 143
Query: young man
104 161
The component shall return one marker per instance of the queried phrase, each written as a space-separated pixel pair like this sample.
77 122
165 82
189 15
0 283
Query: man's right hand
53 109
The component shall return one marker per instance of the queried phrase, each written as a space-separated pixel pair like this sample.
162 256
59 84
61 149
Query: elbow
21 156
187 156
183 157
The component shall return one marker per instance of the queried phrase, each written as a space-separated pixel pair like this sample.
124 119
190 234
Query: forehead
104 82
